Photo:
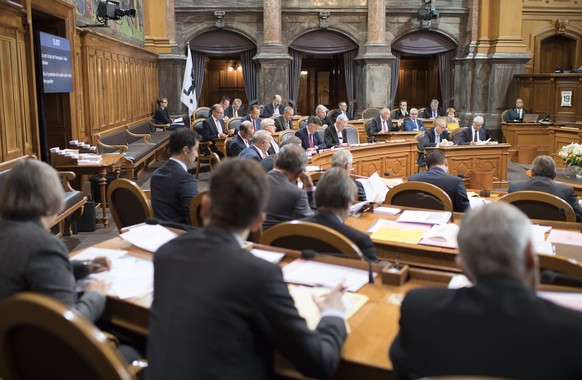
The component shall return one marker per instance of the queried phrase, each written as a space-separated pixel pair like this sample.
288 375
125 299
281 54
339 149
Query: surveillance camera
125 12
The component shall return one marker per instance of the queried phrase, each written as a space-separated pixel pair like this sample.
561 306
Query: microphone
421 195
483 193
310 254
163 223
550 277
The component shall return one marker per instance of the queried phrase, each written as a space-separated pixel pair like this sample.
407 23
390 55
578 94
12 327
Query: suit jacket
303 134
427 113
362 240
338 112
512 116
547 185
236 146
408 125
161 116
361 191
272 150
467 135
220 313
269 110
257 121
251 152
281 124
331 137
172 191
34 260
375 126
229 112
451 185
497 328
399 115
430 137
287 201
268 162
325 120
209 130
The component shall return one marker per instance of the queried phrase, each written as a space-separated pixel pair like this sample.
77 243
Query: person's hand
400 121
472 143
231 131
225 118
98 286
332 300
306 179
99 264
222 135
345 145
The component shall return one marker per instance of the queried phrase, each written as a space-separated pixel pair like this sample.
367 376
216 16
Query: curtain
394 75
445 68
294 77
349 70
250 77
198 63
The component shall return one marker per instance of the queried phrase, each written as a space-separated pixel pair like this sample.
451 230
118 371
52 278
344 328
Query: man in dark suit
161 115
172 186
321 113
334 195
474 134
433 110
402 111
341 110
437 174
413 123
515 115
380 124
273 109
498 327
543 170
213 128
269 161
253 117
343 159
260 144
309 137
218 312
335 135
285 121
433 137
235 109
287 201
241 140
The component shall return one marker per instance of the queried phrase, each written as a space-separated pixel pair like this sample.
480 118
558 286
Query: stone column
272 56
375 60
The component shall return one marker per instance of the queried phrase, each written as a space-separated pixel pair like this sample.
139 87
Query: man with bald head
273 109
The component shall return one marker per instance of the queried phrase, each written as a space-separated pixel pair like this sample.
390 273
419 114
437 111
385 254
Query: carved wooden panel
560 137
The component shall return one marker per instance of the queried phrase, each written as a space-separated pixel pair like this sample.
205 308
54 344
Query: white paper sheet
270 256
149 237
314 273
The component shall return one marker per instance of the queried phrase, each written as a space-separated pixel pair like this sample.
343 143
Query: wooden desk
110 163
397 136
373 327
560 136
395 158
360 125
464 158
526 134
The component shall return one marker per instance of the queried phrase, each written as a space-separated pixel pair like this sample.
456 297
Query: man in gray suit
287 201
543 170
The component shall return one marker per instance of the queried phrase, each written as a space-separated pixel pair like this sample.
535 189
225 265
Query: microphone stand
483 193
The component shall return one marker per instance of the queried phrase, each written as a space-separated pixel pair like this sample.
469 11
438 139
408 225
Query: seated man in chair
543 170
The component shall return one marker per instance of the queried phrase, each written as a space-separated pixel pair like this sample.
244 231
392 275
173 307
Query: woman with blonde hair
452 121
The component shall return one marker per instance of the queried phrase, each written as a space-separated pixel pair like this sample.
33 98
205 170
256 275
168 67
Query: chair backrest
366 123
303 121
305 235
330 113
419 137
285 135
197 125
128 203
196 209
321 133
503 116
352 134
406 194
540 205
370 113
40 338
227 142
202 112
233 123
456 135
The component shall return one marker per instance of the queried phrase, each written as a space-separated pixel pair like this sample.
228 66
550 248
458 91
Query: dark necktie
311 141
476 135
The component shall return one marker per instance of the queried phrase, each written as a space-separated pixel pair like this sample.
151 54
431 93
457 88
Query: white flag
188 94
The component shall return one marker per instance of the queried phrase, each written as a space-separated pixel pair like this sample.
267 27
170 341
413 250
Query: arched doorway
557 52
422 69
321 71
223 65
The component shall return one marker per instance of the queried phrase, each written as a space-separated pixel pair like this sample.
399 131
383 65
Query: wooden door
418 80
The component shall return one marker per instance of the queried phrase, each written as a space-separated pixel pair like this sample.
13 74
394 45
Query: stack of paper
375 188
425 217
391 231
389 211
443 235
149 237
270 256
314 273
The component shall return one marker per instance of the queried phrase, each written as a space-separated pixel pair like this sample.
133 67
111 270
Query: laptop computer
530 118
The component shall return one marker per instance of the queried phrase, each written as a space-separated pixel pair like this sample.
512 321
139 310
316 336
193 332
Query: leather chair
353 137
202 113
233 123
407 194
301 235
205 155
128 203
285 135
540 205
196 209
456 136
370 113
40 338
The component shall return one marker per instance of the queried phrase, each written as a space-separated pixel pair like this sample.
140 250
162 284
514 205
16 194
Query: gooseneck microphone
163 223
550 277
421 195
310 254
483 193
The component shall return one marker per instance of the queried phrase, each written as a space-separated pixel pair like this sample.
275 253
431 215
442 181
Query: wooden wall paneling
80 133
27 135
567 115
542 97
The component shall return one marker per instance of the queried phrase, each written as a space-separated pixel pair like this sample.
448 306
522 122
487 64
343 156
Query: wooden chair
305 235
196 209
202 113
321 133
233 123
420 150
285 135
205 155
503 115
540 205
330 114
227 145
456 135
154 126
128 203
406 194
303 121
370 113
371 138
353 137
40 338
